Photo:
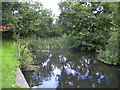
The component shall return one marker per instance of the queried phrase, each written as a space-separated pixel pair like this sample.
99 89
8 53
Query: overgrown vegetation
81 25
88 24
23 53
48 43
27 19
25 47
110 54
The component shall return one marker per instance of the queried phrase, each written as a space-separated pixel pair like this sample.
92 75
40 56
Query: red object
4 28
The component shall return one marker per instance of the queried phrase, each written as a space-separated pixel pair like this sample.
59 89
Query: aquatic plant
22 53
48 43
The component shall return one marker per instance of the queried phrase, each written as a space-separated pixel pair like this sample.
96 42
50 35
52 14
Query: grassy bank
9 65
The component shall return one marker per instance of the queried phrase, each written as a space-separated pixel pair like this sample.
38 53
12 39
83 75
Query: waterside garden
80 26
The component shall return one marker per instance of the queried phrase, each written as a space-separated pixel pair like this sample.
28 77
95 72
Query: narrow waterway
64 68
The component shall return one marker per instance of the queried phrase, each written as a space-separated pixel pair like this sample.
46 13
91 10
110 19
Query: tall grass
59 42
45 43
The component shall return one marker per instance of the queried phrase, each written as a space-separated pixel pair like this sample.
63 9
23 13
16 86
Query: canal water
64 68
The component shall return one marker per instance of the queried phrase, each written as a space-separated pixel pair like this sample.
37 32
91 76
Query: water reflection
63 68
51 83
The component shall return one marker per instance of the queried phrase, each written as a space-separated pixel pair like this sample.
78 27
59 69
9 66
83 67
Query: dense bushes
110 54
87 24
27 19
23 53
89 41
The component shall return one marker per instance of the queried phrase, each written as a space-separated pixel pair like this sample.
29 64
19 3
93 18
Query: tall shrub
110 54
88 24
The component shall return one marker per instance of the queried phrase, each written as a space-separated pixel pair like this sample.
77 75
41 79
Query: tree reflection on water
64 69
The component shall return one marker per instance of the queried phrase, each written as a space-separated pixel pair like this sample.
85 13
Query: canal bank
20 79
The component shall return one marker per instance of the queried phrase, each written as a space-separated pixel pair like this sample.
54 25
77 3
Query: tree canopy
27 18
88 24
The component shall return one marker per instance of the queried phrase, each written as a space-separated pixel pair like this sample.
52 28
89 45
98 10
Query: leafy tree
7 17
6 13
27 19
87 24
34 19
111 53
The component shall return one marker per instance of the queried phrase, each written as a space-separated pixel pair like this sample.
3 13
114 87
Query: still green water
64 68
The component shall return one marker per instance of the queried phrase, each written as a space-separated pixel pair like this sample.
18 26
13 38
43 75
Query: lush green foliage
33 43
81 25
6 13
110 54
87 24
59 42
27 19
25 47
90 26
22 53
9 65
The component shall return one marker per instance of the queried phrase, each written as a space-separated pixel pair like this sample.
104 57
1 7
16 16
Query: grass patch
9 65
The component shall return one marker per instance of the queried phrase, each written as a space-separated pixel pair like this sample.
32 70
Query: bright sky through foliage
50 4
